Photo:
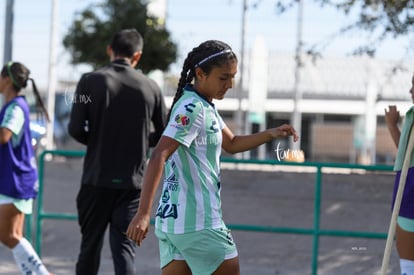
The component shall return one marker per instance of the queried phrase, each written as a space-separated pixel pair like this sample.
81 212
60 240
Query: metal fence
315 231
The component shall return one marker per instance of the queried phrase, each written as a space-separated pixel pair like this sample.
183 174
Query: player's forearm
248 142
395 133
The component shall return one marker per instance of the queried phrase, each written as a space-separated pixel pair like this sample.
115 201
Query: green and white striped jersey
190 199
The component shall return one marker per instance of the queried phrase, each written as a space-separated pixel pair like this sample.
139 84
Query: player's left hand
286 130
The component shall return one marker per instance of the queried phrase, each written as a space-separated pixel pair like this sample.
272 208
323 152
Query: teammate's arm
392 116
5 135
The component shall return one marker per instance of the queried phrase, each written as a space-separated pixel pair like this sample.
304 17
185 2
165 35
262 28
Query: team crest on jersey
182 119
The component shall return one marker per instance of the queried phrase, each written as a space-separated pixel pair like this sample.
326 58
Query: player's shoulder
100 72
15 106
90 76
190 102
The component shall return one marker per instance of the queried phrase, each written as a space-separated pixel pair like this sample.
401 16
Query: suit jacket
118 113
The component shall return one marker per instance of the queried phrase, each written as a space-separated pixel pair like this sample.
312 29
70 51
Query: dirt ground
264 196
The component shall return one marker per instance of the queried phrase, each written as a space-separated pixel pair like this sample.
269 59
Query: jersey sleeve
13 119
185 122
221 122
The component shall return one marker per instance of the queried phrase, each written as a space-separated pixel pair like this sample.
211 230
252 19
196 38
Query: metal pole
52 77
397 203
8 32
239 112
296 119
370 127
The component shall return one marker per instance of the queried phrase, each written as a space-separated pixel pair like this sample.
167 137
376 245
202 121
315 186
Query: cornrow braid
39 101
206 56
187 75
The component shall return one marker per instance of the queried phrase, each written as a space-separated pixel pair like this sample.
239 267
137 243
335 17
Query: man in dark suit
113 111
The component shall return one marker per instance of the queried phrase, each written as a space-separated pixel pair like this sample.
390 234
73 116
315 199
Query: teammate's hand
392 115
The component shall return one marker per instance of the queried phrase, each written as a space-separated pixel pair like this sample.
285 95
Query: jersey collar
190 88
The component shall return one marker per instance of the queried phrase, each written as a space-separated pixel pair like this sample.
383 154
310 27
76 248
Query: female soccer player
193 238
18 172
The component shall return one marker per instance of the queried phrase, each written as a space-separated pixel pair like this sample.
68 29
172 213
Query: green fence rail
315 231
28 219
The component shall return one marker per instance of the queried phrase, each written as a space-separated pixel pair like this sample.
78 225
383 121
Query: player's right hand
138 228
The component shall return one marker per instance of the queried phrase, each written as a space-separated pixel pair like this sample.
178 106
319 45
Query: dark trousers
98 208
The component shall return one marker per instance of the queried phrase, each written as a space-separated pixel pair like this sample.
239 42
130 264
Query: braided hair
206 56
19 75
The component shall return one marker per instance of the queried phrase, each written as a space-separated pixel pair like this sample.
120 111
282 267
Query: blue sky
190 22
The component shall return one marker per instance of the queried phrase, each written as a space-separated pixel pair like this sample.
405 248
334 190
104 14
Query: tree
382 19
94 27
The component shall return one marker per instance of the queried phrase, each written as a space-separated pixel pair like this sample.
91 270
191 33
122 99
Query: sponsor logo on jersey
213 126
206 140
172 178
229 238
165 196
182 119
166 209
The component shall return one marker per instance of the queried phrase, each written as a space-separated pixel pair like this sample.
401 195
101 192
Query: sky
190 22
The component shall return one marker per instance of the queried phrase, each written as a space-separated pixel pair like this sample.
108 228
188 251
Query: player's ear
109 51
199 73
135 58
